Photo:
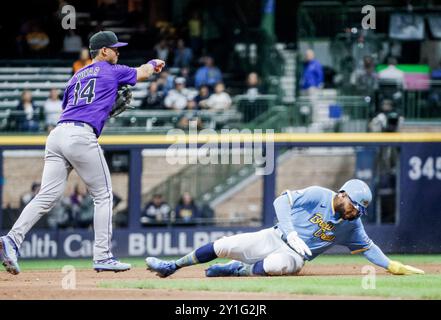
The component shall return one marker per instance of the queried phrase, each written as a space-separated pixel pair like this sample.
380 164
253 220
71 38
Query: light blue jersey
312 215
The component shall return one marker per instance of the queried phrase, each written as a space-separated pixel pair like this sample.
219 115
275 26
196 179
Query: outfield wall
419 178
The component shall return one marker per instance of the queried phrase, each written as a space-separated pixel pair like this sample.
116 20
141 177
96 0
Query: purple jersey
91 93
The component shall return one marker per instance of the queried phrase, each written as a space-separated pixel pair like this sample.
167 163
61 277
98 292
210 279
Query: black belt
75 123
282 236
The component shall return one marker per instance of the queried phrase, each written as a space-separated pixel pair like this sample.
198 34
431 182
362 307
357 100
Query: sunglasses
361 210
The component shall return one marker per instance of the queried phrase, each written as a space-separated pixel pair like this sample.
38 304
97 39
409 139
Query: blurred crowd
76 210
158 212
189 90
383 90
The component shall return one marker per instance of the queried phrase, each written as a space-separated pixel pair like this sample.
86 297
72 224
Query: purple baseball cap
106 39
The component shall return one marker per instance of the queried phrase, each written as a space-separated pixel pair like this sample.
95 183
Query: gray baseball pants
71 146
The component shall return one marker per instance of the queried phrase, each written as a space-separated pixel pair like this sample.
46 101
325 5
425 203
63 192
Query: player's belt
283 237
281 234
77 124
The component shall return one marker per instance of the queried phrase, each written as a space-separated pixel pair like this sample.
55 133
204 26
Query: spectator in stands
434 99
250 106
190 118
185 73
84 60
219 100
27 197
392 73
166 82
202 97
178 98
208 74
52 109
387 120
157 210
366 80
162 50
27 120
153 100
254 86
312 77
436 72
183 55
37 40
186 210
76 200
195 32
72 42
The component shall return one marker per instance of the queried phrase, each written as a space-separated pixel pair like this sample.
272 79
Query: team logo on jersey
324 227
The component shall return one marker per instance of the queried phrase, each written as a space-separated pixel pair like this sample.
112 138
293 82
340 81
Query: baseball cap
359 193
106 39
180 80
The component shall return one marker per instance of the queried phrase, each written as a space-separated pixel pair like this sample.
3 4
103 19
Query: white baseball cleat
110 264
8 255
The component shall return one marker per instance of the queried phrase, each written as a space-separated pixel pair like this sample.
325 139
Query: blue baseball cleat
8 255
230 269
110 264
162 268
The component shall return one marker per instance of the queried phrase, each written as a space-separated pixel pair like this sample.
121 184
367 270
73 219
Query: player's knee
102 195
223 247
281 264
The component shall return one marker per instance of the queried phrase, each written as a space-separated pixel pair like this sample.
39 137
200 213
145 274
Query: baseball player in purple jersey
87 102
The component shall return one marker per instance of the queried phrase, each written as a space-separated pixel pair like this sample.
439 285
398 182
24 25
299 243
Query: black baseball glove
122 102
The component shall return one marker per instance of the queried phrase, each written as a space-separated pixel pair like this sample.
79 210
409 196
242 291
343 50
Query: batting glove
297 244
398 268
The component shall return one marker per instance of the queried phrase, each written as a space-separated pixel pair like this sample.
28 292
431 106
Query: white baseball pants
68 147
267 245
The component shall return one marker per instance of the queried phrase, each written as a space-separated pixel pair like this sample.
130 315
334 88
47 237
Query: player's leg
55 173
165 268
277 259
245 247
280 263
87 158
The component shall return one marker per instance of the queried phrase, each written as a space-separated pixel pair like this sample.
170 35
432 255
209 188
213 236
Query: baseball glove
122 102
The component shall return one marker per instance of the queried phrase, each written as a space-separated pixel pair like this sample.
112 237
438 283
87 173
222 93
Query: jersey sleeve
376 256
302 198
65 98
124 74
292 202
357 240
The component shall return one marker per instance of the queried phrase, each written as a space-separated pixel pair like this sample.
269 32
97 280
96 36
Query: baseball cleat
110 264
8 255
230 269
162 268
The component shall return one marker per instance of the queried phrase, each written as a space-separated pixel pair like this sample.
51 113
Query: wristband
153 63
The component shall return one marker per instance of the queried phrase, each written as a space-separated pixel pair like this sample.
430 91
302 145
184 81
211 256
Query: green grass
359 259
415 287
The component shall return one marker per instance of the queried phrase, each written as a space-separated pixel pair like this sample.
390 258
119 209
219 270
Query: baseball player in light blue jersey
73 144
310 221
